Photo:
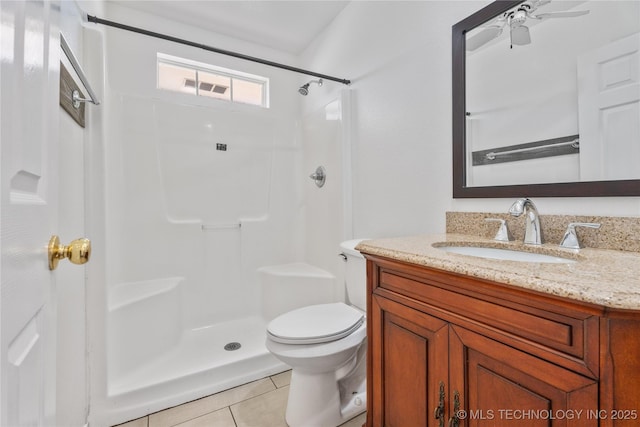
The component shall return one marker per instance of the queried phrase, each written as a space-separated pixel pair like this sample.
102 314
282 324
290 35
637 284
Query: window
195 78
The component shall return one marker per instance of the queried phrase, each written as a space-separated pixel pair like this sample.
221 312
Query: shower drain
232 346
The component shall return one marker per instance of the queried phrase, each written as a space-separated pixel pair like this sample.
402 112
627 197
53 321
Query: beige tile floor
261 403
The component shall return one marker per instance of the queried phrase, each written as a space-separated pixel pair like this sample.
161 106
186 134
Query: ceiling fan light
520 35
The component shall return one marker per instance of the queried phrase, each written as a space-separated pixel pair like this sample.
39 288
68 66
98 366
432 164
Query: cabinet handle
439 412
454 421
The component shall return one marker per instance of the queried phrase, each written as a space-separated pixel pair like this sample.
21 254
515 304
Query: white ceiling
288 26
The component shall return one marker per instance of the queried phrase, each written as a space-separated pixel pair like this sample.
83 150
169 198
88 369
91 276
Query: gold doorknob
77 251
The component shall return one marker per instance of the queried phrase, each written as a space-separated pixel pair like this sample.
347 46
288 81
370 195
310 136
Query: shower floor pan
198 366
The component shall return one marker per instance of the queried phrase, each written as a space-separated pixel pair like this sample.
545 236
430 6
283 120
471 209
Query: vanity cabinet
450 350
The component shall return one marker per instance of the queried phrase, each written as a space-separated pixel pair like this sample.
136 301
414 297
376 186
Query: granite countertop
609 278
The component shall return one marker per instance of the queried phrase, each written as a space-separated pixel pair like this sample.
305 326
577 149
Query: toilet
325 345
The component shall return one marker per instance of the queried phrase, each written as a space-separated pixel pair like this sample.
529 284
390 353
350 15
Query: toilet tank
355 274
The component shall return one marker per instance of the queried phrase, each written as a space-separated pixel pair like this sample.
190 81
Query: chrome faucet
532 232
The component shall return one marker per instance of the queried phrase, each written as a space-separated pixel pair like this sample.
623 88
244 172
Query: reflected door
609 108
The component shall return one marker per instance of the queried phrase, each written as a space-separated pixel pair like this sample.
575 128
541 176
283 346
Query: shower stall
181 228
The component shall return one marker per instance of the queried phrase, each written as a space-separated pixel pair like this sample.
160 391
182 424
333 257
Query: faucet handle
503 234
570 239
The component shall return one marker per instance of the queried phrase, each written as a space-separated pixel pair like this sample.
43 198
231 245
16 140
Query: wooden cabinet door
409 364
501 386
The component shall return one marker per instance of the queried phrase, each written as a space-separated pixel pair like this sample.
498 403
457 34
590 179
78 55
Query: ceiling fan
516 19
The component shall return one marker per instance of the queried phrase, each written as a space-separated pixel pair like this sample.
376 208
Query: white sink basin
504 254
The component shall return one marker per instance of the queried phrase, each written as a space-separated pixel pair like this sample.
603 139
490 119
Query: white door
609 111
30 56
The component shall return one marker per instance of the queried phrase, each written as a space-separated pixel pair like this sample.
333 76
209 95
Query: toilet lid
315 324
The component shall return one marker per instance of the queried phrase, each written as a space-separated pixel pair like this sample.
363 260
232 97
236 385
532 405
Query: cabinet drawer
555 331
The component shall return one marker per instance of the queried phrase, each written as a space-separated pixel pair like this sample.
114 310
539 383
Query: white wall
398 55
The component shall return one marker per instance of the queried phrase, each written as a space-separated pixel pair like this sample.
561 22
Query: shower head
304 89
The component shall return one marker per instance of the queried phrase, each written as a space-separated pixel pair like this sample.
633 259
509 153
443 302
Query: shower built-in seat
319 285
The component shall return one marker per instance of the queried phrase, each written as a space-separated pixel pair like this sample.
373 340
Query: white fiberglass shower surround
176 304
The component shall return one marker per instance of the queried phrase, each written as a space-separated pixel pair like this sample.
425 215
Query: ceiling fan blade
542 3
520 35
570 14
483 37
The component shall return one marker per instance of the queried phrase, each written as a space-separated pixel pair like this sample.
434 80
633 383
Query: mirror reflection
553 94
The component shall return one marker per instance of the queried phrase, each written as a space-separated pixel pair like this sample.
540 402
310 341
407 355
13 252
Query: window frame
232 75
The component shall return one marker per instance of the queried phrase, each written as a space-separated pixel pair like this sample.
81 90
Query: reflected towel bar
492 155
531 150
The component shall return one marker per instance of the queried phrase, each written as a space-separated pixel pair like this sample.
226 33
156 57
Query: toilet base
321 400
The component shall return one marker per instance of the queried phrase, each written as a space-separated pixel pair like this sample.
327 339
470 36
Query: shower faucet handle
503 234
319 176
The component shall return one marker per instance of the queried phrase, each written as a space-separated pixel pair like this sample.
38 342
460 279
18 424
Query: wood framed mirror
492 20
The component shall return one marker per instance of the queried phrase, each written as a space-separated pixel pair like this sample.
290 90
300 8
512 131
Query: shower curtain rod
97 20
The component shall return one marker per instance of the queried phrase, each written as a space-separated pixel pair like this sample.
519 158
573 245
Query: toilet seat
315 324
